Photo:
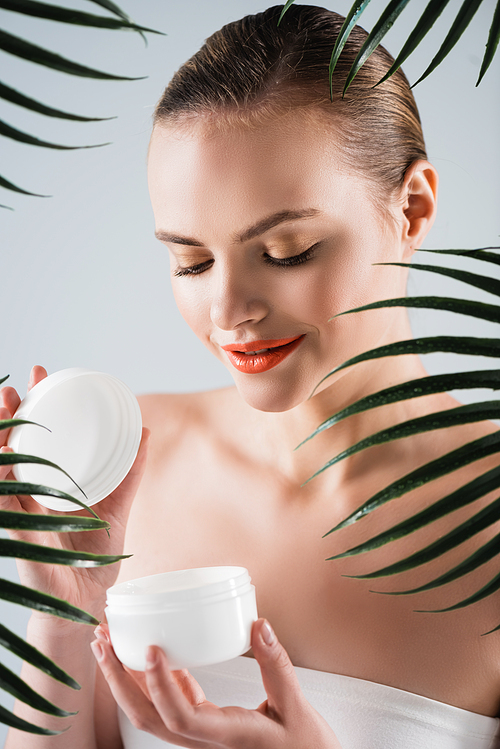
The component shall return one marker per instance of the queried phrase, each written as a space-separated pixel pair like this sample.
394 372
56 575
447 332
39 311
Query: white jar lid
180 588
95 432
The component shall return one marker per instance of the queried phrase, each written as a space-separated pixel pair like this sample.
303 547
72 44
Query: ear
419 202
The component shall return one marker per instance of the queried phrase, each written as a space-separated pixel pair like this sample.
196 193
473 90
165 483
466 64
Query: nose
238 298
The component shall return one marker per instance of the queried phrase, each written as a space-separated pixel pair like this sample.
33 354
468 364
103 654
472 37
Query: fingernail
97 649
267 633
151 657
101 634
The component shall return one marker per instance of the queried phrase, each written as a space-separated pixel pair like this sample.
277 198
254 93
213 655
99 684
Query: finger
124 494
5 470
37 374
189 687
204 723
284 696
129 696
4 433
9 401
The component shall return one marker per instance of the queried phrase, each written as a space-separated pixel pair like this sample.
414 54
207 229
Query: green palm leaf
451 461
51 555
9 487
481 253
11 132
9 719
285 8
482 378
7 459
451 540
11 186
487 552
14 45
23 521
32 655
12 684
484 592
65 15
481 310
492 43
384 23
463 496
464 17
34 599
424 25
15 97
112 7
350 21
467 345
468 414
10 423
485 283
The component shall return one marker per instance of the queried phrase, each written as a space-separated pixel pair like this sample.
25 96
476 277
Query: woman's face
270 235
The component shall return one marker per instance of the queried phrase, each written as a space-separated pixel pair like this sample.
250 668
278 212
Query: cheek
192 305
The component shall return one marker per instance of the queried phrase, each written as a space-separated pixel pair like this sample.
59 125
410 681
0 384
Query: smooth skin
223 484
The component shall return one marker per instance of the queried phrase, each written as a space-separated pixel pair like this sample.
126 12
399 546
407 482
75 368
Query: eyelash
285 262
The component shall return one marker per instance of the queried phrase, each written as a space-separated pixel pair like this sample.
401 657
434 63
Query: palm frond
465 495
466 345
34 599
464 17
23 521
9 719
491 44
14 45
16 97
50 555
9 487
481 253
11 186
482 378
451 540
384 23
285 8
14 685
442 466
468 414
35 657
480 310
424 25
350 21
65 15
11 132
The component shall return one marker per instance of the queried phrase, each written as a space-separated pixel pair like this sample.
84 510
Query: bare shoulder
188 435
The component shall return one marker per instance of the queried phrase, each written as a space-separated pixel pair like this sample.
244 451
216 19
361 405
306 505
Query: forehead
213 180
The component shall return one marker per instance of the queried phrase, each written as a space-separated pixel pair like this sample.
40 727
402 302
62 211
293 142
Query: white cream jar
93 429
198 616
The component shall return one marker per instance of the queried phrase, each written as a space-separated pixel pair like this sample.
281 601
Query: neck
281 433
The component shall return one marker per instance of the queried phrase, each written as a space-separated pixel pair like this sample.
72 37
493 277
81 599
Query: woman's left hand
172 706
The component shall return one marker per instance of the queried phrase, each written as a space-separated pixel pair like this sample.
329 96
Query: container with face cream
198 616
95 431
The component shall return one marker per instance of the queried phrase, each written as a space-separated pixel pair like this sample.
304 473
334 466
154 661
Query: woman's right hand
83 587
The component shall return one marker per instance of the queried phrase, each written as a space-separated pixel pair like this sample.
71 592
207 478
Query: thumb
278 674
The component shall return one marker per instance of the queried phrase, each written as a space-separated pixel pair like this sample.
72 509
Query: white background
83 282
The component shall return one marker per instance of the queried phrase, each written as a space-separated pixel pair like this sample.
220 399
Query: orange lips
260 356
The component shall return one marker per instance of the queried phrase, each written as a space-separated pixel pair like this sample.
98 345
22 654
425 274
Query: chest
325 620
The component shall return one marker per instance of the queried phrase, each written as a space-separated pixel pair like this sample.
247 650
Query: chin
272 397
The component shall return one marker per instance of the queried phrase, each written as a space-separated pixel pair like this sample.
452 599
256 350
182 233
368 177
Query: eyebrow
265 224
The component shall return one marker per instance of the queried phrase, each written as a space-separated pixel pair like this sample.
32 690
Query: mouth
260 356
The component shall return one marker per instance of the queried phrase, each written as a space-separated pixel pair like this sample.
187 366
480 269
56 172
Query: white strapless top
363 714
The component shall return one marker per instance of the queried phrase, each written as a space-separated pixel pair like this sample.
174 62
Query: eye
287 262
193 270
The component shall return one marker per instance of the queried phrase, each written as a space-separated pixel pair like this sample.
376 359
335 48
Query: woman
276 206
